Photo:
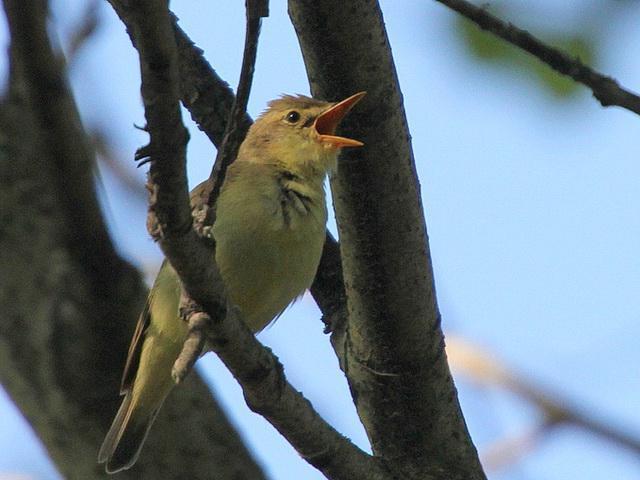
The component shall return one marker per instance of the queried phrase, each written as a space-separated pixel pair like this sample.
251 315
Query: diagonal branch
234 131
255 367
483 367
268 393
605 89
169 220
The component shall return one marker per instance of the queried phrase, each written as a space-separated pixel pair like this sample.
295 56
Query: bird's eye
292 116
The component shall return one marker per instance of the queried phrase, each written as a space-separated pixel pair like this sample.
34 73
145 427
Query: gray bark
394 354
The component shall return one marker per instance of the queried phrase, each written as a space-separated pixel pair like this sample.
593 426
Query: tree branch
234 133
50 101
169 221
395 360
483 367
268 393
605 89
255 367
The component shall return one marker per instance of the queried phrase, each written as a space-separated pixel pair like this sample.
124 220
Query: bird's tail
126 436
147 380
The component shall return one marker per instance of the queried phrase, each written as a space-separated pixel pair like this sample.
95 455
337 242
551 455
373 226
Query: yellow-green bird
269 232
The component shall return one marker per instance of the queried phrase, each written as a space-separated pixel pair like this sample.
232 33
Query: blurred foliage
488 48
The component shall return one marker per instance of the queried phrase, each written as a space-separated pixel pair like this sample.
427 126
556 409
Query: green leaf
486 47
561 85
481 44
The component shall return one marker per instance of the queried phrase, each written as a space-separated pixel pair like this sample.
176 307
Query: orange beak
328 121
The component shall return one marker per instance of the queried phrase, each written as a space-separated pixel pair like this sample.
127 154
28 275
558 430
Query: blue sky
531 205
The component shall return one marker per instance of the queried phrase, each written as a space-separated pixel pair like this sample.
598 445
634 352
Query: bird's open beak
328 121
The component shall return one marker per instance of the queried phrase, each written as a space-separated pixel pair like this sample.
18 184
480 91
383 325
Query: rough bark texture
69 301
395 359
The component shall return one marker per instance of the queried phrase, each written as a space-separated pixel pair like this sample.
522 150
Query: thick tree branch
605 89
257 369
50 101
269 394
328 286
395 359
170 221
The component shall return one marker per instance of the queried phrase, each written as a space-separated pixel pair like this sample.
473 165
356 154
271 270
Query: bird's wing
135 348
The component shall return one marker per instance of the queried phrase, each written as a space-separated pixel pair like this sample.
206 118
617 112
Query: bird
269 231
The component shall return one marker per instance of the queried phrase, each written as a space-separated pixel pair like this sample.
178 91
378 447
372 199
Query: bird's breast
268 245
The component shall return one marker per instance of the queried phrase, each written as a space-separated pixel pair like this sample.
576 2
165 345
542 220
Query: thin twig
208 98
509 450
234 136
227 153
482 367
84 30
561 411
605 89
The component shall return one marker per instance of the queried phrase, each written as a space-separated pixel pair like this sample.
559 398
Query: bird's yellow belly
267 264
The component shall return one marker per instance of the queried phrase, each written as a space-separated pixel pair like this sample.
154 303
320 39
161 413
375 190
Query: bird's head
297 133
